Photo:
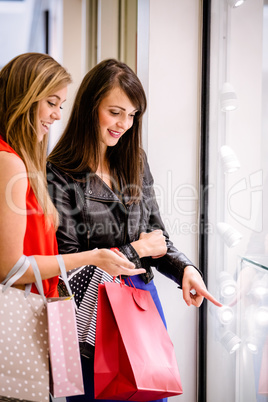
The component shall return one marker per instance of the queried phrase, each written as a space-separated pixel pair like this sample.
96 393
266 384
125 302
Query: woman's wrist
190 270
92 257
138 246
74 260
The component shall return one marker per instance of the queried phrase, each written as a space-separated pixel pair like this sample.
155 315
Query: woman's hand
115 263
152 244
192 281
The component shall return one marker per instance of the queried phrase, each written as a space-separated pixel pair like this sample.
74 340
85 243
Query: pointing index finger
209 297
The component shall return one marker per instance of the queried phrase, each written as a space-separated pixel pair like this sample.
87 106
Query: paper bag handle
37 274
38 278
16 272
21 267
39 284
63 273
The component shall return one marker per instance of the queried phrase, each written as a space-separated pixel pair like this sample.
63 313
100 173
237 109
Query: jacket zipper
88 235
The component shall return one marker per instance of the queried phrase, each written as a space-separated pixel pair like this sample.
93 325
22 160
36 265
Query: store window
237 213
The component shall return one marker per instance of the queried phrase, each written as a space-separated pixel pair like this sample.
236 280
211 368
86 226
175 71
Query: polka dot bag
33 330
24 367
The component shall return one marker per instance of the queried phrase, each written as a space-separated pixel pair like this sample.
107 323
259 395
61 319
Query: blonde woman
33 89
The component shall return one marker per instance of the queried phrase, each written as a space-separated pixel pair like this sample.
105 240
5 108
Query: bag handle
21 267
38 283
130 282
16 272
63 273
37 274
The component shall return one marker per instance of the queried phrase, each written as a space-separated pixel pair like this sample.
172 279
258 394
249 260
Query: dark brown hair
79 145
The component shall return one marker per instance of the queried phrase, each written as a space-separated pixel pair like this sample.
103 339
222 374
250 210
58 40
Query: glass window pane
238 216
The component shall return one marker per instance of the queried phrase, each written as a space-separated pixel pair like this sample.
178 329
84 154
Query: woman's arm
172 263
114 263
13 187
152 244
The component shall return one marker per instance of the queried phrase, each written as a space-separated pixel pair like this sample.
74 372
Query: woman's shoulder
52 167
13 174
147 175
9 157
11 163
56 174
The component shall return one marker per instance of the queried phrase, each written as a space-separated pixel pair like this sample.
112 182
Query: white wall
173 146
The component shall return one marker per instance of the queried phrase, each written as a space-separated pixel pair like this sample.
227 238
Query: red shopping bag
134 356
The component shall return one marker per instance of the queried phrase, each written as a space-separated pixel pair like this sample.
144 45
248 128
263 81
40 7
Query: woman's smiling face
49 110
116 116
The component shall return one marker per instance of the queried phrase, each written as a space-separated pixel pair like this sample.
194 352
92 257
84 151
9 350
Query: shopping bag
87 301
65 362
24 358
66 371
32 329
134 356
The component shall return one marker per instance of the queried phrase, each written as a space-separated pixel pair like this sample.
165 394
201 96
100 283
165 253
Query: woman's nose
124 123
56 115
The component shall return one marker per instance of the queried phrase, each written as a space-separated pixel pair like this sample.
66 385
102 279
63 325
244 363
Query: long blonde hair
24 81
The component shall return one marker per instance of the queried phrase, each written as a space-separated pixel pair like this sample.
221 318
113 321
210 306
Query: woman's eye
114 113
51 103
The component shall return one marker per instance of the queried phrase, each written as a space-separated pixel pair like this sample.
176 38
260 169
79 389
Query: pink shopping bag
66 372
65 363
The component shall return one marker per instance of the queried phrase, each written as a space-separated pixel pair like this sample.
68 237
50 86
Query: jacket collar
97 188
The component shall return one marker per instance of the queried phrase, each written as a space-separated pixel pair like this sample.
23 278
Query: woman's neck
103 171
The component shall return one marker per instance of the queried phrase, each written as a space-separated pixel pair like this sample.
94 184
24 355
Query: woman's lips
45 125
115 134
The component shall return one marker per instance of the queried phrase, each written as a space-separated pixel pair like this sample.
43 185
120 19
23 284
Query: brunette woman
102 187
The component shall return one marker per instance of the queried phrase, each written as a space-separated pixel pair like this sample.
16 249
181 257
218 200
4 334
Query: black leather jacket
92 215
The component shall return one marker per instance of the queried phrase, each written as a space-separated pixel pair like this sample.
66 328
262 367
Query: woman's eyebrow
56 96
120 107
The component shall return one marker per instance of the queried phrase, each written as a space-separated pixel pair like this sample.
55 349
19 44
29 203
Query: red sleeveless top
39 239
